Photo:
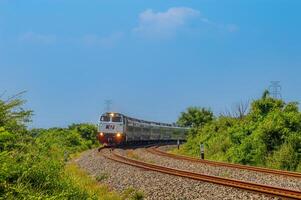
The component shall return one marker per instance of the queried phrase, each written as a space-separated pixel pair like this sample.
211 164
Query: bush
138 195
132 194
269 135
284 158
33 163
102 177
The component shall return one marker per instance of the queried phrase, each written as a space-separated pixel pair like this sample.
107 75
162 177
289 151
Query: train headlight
101 134
118 135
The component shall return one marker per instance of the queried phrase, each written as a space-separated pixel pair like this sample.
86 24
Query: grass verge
89 184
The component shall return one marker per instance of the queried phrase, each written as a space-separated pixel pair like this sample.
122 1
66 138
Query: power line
108 103
275 89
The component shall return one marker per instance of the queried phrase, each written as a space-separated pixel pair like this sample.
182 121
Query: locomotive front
111 129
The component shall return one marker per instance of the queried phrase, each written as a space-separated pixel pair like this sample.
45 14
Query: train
117 129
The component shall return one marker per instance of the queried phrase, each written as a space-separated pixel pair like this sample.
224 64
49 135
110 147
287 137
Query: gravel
155 185
239 174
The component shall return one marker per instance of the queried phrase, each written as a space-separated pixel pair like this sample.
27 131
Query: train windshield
105 118
116 119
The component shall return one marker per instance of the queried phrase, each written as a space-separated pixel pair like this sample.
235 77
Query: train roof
140 120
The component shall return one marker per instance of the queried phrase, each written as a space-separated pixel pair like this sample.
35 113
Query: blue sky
152 58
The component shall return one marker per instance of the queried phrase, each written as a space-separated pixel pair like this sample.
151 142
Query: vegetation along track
275 191
155 150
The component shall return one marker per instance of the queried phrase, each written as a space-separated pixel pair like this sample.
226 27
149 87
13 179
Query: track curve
155 150
271 190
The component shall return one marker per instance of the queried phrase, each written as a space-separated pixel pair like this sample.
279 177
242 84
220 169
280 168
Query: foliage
132 194
88 184
195 117
138 195
33 162
268 135
87 131
102 176
12 116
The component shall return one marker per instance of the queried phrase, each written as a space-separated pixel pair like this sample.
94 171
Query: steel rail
254 187
155 150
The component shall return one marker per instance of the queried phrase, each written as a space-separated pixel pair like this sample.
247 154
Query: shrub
284 158
32 163
132 194
102 176
138 195
268 135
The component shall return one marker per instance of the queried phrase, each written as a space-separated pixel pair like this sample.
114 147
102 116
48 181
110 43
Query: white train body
116 128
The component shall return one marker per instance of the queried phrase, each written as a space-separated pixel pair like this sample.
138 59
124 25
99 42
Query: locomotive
116 129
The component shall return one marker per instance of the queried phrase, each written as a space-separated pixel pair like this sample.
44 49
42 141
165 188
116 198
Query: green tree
265 94
32 162
268 135
86 131
13 117
195 117
262 107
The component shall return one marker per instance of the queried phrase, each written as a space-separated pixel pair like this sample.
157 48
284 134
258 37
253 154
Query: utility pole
275 90
108 103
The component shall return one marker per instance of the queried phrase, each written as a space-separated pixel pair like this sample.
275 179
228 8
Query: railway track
155 150
254 187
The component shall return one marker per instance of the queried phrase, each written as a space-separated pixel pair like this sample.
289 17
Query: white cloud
164 24
108 41
38 38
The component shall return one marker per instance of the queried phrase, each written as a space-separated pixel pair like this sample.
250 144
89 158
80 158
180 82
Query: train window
105 118
130 129
116 119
